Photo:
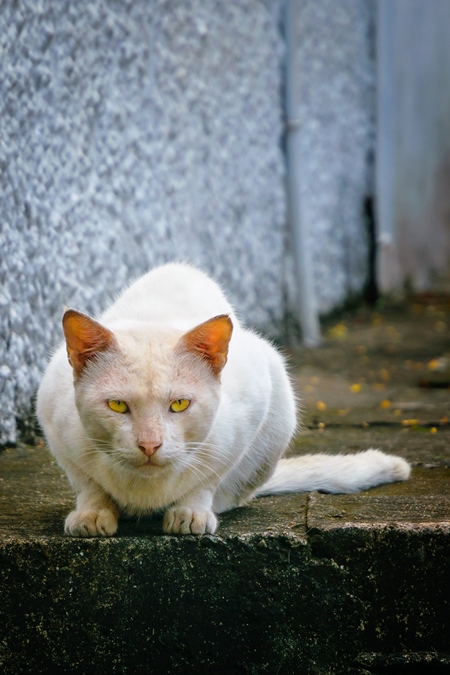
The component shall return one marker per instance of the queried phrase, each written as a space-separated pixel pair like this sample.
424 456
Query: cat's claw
91 523
183 520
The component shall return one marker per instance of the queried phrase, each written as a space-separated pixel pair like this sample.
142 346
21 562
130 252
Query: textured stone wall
132 133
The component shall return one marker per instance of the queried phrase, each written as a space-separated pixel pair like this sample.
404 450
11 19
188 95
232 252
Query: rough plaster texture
131 133
335 93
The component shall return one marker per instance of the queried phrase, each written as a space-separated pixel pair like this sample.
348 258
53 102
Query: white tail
335 473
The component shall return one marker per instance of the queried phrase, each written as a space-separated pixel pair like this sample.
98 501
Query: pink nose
149 449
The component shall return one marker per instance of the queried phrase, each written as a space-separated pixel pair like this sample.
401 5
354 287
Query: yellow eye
118 406
180 405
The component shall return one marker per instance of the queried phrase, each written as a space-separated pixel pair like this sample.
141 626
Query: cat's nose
150 448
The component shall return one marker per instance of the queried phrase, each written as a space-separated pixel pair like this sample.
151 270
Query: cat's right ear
84 339
210 341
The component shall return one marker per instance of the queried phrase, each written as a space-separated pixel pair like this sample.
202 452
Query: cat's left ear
84 338
210 341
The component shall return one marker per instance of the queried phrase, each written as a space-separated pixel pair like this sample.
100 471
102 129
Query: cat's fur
172 335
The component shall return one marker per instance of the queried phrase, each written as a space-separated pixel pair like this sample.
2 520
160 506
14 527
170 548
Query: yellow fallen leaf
410 423
321 425
385 404
433 430
441 364
384 374
320 405
355 388
377 320
339 331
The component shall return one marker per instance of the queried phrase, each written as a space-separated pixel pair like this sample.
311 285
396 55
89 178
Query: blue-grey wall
413 186
336 100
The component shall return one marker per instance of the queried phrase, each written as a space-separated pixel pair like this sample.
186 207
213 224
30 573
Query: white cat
169 404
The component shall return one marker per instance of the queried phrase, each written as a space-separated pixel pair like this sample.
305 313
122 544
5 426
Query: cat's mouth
150 464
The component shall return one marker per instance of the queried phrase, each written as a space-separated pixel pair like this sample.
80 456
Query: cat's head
147 395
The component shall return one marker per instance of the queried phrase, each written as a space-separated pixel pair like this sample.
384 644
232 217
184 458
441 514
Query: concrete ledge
294 584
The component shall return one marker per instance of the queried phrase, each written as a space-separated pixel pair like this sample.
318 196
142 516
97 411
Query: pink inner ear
84 338
210 340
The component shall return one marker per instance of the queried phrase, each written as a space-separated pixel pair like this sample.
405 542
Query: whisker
210 449
195 470
195 464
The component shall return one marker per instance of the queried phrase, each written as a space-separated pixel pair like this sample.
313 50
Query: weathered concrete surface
173 606
142 602
381 379
295 584
311 583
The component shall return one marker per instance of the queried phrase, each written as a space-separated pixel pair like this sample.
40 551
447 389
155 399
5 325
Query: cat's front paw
90 523
183 520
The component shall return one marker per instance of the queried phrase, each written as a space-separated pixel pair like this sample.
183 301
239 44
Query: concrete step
294 584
